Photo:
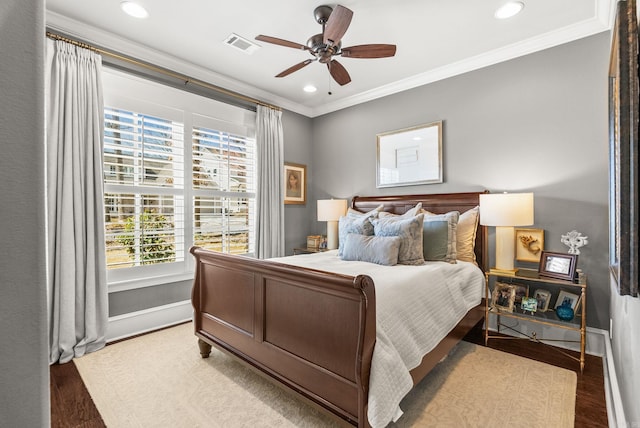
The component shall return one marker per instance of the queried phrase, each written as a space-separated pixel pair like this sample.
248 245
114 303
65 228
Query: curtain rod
187 80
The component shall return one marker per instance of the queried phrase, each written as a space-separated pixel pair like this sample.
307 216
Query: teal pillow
436 234
435 240
382 250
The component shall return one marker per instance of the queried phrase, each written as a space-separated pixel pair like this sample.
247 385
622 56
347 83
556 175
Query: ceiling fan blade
337 25
338 72
296 67
369 51
281 42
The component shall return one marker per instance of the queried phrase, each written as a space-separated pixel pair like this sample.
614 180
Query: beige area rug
160 380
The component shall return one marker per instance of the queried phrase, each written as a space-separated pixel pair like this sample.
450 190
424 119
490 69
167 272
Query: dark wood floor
71 405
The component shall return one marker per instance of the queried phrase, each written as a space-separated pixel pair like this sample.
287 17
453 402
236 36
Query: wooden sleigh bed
313 331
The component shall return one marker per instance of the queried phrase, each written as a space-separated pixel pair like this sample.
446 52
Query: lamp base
332 235
505 249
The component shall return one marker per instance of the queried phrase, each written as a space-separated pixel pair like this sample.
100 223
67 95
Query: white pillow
466 235
410 213
373 213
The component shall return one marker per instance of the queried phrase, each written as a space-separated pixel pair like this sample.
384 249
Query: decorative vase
564 312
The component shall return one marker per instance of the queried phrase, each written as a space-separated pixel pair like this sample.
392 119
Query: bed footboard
312 331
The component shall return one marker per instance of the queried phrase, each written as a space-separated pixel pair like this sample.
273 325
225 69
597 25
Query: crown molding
602 21
604 14
111 42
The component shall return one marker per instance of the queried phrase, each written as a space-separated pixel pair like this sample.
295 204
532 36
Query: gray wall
298 219
24 370
536 123
625 343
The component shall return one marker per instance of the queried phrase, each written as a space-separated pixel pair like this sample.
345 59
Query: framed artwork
529 304
542 297
410 156
522 291
558 265
295 183
503 297
564 297
529 244
623 150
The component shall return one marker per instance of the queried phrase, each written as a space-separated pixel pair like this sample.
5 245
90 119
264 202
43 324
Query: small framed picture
295 183
503 297
571 299
529 304
521 291
558 265
542 297
529 244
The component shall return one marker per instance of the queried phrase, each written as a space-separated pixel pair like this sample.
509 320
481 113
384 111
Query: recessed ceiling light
134 9
310 88
509 9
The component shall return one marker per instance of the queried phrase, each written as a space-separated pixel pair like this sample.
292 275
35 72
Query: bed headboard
435 203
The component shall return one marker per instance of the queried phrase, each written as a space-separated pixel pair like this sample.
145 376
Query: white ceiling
435 39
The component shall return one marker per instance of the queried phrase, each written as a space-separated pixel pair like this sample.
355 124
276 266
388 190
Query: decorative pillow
410 232
360 225
373 213
433 232
382 250
410 213
466 235
435 240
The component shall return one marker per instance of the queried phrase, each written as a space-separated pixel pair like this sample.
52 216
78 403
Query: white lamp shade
331 209
506 209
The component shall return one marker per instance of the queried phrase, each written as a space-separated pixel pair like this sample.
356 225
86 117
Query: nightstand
526 283
307 250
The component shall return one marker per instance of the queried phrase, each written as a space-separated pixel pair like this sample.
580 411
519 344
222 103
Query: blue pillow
352 224
410 232
382 250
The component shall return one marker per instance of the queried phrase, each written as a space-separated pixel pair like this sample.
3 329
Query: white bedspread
416 307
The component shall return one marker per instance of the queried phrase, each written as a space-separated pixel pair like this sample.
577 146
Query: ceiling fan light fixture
310 89
134 9
509 9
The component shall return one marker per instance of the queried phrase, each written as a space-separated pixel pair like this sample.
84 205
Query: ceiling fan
324 46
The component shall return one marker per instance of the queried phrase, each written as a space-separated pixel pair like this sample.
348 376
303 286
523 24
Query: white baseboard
615 411
127 325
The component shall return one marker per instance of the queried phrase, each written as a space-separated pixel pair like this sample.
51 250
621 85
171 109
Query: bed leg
205 348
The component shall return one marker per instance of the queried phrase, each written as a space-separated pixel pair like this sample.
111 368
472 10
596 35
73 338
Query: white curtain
76 266
270 197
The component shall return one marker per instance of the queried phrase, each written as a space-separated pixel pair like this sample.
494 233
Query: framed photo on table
503 297
564 297
295 183
558 265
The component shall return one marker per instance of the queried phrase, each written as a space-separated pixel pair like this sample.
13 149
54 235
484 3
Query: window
144 189
165 193
223 181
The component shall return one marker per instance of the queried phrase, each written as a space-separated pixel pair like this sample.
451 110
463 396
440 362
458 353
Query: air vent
241 43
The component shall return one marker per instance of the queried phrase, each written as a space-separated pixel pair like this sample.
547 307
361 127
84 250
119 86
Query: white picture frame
410 156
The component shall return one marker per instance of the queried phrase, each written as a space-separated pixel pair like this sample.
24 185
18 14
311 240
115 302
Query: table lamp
504 211
330 210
